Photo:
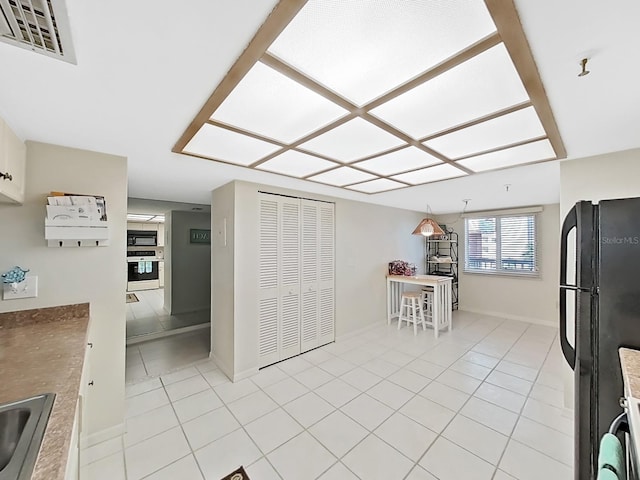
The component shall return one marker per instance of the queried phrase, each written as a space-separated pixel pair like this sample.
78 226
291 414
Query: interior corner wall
612 175
367 238
223 277
97 275
518 298
190 273
168 284
608 176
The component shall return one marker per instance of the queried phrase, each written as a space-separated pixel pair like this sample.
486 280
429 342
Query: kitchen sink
22 426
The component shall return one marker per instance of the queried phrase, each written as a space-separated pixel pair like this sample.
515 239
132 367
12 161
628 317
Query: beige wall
519 298
75 275
223 277
367 238
613 175
188 284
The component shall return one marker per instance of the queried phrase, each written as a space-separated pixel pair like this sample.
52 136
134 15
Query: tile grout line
467 400
292 377
383 378
522 409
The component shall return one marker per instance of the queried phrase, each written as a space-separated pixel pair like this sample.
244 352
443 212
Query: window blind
501 244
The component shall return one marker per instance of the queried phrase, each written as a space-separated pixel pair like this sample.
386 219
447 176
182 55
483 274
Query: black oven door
143 270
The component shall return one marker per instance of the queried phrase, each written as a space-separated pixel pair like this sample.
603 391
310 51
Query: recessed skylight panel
376 186
296 164
399 161
270 104
221 144
342 176
430 174
529 152
505 130
299 101
483 85
362 49
352 140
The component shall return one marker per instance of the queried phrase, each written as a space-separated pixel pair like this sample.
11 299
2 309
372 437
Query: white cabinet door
310 278
268 301
326 254
289 276
161 234
161 274
13 161
296 276
279 279
134 226
318 259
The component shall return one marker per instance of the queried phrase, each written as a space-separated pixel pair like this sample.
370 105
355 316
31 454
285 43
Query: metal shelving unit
444 248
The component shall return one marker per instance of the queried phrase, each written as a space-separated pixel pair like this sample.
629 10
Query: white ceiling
146 67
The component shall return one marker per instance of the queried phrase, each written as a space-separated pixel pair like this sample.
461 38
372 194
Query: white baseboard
234 377
250 372
224 368
355 333
87 441
519 318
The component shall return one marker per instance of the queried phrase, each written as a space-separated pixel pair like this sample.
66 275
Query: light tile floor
156 357
148 316
482 402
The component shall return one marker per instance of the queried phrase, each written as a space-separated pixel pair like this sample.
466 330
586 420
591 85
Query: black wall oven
142 238
142 270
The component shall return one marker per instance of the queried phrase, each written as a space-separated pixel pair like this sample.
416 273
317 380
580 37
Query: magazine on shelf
73 206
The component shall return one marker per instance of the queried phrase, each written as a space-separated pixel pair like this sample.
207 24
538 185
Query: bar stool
411 310
444 318
427 303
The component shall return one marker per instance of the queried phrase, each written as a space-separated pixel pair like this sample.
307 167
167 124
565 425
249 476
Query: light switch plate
25 289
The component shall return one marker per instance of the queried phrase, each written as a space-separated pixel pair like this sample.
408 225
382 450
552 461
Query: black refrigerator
600 303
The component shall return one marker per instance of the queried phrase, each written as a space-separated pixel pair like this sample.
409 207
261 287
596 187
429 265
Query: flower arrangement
400 267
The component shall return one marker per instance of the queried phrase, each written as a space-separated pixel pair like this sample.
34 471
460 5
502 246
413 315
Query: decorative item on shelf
400 267
441 258
428 227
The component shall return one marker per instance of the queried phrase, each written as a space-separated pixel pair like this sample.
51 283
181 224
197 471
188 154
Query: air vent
38 25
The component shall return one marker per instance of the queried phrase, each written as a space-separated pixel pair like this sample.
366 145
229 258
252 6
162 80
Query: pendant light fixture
428 227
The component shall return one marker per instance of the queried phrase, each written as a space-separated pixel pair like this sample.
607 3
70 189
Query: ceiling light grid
457 110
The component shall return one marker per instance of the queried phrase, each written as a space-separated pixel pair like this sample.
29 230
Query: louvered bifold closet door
268 280
289 256
310 275
326 254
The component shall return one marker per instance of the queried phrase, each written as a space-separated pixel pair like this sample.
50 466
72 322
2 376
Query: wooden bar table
441 297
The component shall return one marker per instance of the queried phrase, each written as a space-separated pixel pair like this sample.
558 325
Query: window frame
498 225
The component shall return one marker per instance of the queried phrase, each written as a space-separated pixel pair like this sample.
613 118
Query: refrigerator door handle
570 222
567 350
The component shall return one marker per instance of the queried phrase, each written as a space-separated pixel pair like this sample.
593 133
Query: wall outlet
25 289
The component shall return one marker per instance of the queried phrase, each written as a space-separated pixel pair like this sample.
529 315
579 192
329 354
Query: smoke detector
38 25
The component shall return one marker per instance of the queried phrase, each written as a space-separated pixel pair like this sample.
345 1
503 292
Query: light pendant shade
428 227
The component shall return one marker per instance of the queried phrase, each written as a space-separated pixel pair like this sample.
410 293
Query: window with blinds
501 244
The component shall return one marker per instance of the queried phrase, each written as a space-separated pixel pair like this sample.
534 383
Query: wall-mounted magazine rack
76 221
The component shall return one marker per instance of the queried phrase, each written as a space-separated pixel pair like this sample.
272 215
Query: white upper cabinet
161 234
13 161
134 226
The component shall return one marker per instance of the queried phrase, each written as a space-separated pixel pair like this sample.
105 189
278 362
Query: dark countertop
42 351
